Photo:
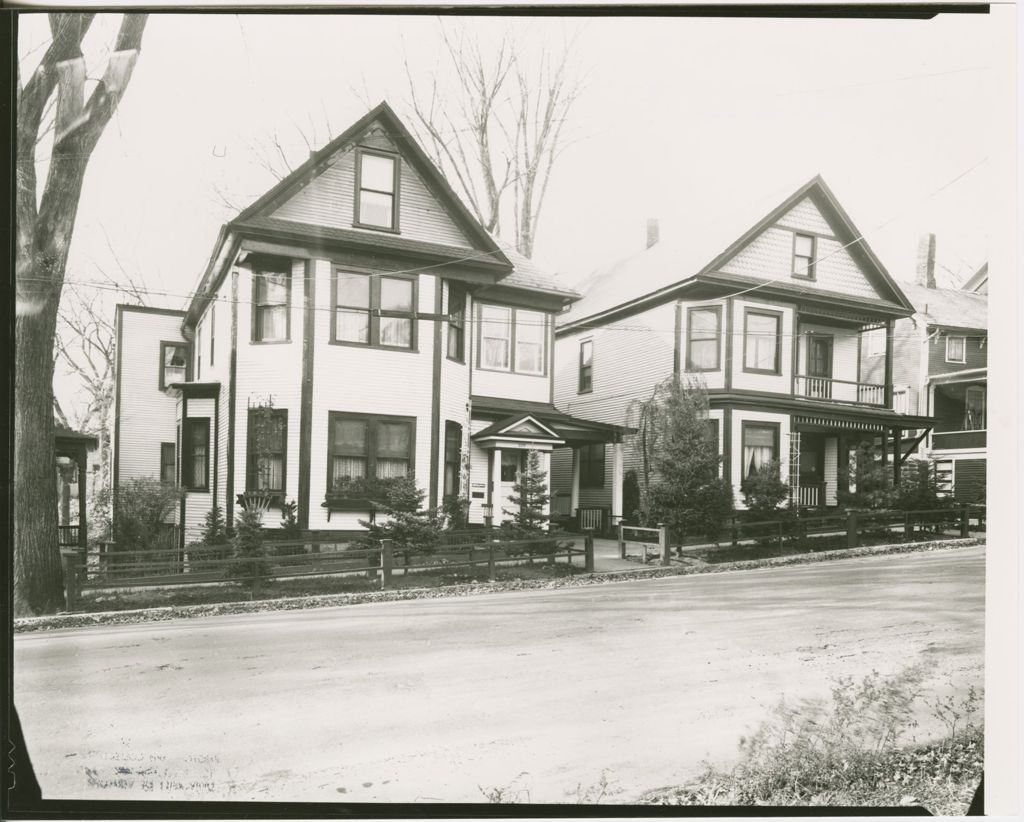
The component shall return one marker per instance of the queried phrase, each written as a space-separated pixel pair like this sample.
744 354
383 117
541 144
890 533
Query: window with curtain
531 334
761 341
704 327
374 310
456 323
271 296
196 470
586 382
511 460
173 363
760 447
369 446
167 466
378 190
267 449
803 256
956 349
974 408
452 458
592 465
495 337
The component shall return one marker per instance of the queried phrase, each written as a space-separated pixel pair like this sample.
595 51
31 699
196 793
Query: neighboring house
354 325
770 313
942 358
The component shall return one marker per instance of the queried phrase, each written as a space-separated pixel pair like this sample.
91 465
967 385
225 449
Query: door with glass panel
819 366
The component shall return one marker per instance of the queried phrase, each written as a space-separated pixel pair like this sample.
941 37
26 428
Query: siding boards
329 200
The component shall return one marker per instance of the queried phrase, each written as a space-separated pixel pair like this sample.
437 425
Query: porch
959 403
72 449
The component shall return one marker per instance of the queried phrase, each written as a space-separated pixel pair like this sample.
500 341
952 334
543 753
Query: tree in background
45 222
500 135
144 508
681 460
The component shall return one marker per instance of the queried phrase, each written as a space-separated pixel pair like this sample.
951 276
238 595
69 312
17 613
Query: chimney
926 261
652 231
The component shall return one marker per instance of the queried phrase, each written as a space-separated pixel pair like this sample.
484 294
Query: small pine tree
764 491
870 481
402 519
530 498
290 520
248 548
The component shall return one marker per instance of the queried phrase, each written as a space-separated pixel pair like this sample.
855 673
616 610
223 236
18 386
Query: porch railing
67 535
827 388
811 495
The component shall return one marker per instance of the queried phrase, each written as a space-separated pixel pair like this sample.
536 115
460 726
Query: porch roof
572 430
835 414
197 390
965 375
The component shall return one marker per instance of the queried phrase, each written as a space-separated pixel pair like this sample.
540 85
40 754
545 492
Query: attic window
803 256
376 190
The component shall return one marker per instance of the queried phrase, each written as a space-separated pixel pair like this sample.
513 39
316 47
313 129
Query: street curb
59 621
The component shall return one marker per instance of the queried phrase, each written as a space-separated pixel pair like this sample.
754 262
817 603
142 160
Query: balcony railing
958 439
826 388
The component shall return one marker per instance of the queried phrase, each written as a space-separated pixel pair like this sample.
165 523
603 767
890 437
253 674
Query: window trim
950 337
460 325
255 307
812 267
590 483
763 312
371 420
186 454
396 159
513 323
776 428
589 389
451 426
811 336
250 466
375 310
718 338
173 463
188 361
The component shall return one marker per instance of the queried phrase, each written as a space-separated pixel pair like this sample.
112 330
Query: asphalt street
535 693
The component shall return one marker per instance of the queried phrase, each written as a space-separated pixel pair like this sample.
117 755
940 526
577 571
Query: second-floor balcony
835 390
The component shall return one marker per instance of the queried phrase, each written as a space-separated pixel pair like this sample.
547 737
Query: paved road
436 699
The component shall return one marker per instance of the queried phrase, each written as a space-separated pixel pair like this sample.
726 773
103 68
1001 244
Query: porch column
843 469
888 363
496 506
897 453
616 483
574 495
82 459
545 462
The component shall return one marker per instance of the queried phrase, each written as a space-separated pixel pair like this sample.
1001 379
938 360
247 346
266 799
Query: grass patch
127 600
856 749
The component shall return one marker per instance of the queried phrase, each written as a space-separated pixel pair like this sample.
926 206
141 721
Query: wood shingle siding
329 200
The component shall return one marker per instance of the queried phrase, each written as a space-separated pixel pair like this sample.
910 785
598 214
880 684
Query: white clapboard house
361 323
771 312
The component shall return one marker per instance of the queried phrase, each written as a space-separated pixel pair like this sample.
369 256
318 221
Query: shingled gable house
771 315
363 321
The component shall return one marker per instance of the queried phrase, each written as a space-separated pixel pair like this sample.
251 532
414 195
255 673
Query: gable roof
977 279
949 307
655 272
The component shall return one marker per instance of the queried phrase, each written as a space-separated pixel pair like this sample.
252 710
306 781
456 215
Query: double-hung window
452 458
195 437
956 349
760 447
592 465
513 339
703 333
377 190
167 466
173 363
456 323
372 309
803 256
369 446
586 383
267 450
762 331
271 299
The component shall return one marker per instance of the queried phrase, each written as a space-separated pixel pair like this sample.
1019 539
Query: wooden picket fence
97 570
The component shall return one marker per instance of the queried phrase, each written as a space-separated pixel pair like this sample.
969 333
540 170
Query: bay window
270 303
513 339
267 450
760 446
456 323
369 446
703 332
374 310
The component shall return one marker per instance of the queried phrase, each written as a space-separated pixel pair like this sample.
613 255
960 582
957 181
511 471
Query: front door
812 470
819 366
512 462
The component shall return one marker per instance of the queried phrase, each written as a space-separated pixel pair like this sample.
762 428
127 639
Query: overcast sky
685 120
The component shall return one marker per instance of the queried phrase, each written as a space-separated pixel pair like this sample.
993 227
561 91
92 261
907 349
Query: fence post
588 554
622 542
665 544
908 526
490 561
734 532
69 561
965 523
386 563
851 529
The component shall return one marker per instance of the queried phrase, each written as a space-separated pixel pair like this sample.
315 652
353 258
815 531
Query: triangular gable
529 427
322 190
845 263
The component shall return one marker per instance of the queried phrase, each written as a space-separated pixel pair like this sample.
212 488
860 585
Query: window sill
585 391
804 277
763 371
692 370
459 360
189 490
269 342
375 346
380 228
510 371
